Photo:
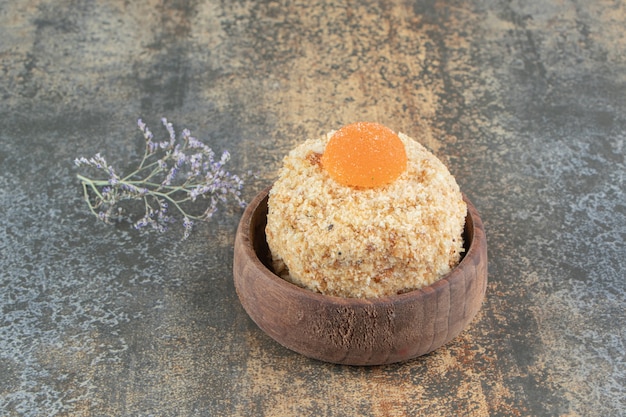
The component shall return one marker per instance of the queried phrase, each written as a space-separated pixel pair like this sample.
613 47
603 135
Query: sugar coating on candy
364 154
364 242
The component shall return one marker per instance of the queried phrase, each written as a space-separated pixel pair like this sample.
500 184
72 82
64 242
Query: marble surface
525 101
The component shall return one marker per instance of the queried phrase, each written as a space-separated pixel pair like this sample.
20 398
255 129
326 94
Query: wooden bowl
353 331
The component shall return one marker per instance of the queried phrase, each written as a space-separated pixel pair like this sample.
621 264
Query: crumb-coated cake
364 212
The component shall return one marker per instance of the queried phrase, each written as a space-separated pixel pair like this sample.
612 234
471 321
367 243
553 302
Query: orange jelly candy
365 155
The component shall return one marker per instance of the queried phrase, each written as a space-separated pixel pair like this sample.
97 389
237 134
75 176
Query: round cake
364 239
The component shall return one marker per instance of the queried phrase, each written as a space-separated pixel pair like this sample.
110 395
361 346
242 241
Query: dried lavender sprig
172 174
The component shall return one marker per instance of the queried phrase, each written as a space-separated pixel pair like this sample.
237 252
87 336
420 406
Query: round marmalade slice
364 155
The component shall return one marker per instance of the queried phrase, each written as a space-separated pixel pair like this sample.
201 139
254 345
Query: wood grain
357 331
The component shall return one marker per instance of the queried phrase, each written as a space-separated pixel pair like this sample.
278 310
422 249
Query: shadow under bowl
354 331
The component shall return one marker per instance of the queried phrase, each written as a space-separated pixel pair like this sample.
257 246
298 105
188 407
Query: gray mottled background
525 101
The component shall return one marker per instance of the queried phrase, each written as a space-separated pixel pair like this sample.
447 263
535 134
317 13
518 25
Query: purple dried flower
142 222
188 225
170 130
146 132
171 176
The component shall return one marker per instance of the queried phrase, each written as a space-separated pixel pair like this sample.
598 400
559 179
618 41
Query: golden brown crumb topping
364 243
